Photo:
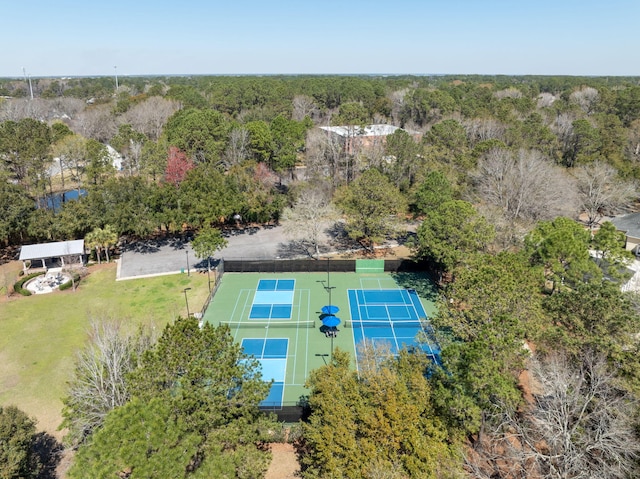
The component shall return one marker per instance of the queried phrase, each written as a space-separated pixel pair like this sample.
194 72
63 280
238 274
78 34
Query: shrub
17 287
69 284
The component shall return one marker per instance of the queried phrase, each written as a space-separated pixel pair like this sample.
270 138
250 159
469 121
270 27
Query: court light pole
209 273
329 288
186 301
187 253
331 356
323 356
328 278
29 80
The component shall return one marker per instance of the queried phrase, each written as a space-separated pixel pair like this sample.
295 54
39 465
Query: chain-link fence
316 266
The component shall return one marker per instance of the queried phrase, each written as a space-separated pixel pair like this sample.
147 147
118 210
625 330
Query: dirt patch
8 276
389 252
66 460
284 462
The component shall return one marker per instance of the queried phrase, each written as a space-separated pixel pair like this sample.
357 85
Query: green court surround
309 348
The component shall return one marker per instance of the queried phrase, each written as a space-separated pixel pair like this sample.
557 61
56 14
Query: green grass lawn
40 334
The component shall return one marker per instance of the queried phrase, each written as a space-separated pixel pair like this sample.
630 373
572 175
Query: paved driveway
169 256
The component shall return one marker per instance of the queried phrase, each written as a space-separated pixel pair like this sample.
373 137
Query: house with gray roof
630 226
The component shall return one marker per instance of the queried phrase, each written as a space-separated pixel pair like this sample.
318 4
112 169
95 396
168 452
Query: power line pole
115 69
28 79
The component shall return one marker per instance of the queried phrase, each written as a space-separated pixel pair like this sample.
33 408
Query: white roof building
59 249
355 137
369 130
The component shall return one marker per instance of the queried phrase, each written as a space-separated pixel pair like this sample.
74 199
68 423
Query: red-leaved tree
177 166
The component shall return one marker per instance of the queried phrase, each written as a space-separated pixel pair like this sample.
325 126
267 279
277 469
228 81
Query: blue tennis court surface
389 316
276 285
385 304
273 299
272 355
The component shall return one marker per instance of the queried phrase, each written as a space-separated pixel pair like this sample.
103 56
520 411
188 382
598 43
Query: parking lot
174 254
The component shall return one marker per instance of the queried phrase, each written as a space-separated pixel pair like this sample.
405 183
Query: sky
142 37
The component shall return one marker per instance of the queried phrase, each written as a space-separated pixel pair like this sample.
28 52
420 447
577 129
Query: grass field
39 335
307 346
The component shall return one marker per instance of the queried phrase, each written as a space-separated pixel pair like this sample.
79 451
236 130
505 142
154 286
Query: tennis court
273 299
272 355
277 318
394 317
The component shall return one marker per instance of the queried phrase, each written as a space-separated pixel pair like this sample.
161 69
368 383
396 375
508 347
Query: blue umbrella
331 321
330 309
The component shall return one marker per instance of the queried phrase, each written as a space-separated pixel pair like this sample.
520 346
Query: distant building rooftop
369 130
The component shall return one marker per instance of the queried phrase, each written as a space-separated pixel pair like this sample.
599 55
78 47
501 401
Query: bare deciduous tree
510 92
96 122
304 106
600 190
586 98
373 155
311 214
41 109
397 103
545 100
71 152
584 419
324 156
21 108
150 116
99 384
523 184
65 108
238 147
372 357
135 154
482 129
563 128
633 141
579 426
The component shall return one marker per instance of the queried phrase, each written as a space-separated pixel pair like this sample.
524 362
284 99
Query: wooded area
509 179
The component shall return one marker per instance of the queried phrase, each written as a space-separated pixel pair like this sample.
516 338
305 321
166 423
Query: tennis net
268 324
374 323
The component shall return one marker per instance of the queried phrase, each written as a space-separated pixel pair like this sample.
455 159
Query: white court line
353 333
284 375
306 356
241 293
297 303
246 293
302 293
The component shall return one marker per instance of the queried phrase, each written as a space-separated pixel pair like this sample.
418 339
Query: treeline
509 179
492 137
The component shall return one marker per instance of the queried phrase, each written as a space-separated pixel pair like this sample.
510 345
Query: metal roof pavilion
52 250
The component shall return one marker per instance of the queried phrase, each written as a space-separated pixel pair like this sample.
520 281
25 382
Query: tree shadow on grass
48 451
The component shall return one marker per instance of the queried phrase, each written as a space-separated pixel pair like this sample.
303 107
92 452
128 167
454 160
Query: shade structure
330 309
331 321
